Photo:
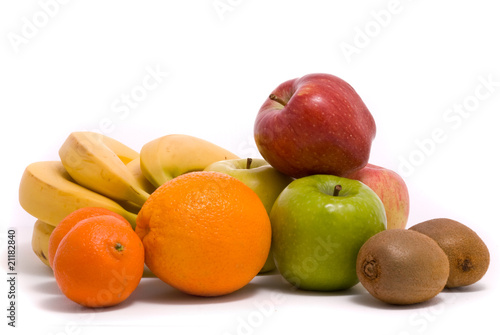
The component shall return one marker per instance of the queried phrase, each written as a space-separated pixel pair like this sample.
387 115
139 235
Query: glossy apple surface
391 189
317 233
262 178
316 124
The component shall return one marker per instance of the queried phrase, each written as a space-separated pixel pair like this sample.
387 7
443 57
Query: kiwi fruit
468 256
402 267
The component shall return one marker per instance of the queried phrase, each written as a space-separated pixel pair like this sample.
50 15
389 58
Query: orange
99 262
70 221
204 233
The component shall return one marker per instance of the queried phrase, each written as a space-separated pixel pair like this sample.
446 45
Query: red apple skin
324 128
391 189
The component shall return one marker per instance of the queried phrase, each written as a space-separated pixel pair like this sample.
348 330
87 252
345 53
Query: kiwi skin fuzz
402 267
468 255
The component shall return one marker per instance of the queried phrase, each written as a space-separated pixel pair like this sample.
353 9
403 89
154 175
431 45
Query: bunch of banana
94 171
98 171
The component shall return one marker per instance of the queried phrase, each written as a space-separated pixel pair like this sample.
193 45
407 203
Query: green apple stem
249 162
279 100
337 190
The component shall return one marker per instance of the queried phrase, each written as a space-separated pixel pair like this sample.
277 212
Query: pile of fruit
207 222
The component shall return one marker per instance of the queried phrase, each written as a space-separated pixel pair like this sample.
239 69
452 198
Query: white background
414 68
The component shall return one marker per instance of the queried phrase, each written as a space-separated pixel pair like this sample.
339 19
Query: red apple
316 124
391 189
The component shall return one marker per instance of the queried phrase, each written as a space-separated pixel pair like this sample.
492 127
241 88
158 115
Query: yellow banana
48 193
40 240
172 155
124 153
97 162
135 167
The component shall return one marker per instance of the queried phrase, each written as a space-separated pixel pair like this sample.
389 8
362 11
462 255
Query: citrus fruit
204 233
99 262
70 221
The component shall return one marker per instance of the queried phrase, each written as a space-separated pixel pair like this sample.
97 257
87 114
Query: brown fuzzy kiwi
468 256
402 267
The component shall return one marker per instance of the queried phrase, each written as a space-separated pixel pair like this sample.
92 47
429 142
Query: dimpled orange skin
99 262
70 221
205 233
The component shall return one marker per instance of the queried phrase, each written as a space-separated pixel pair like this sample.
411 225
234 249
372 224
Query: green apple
262 178
319 224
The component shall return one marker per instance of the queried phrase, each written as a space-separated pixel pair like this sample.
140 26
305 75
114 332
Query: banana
48 193
40 244
97 162
40 240
124 153
172 155
134 166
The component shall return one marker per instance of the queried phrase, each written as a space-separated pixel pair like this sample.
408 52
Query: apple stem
337 190
275 98
249 162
